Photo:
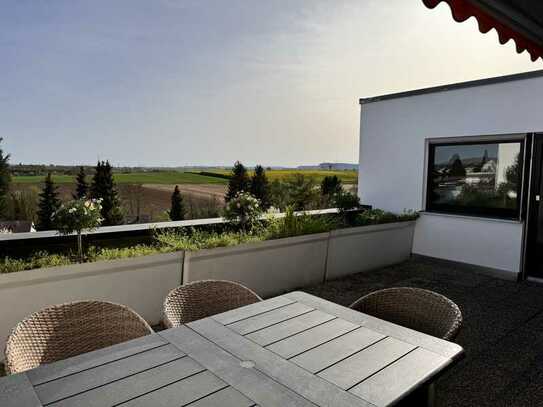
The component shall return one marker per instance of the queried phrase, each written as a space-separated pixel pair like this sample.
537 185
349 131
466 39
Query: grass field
347 177
165 177
177 177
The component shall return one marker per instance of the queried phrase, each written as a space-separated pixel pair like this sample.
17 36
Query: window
476 178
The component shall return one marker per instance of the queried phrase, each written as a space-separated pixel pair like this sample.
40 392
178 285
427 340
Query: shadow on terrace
502 333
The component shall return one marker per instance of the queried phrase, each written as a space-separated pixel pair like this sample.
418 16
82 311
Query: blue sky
173 82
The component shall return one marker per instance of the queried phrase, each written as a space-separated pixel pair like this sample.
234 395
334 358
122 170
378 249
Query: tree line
101 187
299 193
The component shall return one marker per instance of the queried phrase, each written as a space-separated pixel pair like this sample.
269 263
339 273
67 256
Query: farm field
179 177
162 177
347 177
146 196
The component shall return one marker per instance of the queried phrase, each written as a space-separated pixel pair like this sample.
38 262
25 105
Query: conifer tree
331 185
239 181
103 187
82 187
260 187
48 205
177 210
5 179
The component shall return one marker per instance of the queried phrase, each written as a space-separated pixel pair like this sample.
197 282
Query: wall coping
78 270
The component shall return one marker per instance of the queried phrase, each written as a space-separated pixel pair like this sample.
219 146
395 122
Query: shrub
244 209
279 194
331 185
196 239
303 193
378 216
23 205
293 224
37 260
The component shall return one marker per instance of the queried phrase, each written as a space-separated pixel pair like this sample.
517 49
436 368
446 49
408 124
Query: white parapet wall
141 283
269 268
491 243
367 248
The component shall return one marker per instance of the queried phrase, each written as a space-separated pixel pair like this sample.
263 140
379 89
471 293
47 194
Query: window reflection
483 179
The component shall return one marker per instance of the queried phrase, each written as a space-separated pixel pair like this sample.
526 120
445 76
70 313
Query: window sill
472 217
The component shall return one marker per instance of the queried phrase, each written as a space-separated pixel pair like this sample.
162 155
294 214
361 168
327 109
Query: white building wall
393 135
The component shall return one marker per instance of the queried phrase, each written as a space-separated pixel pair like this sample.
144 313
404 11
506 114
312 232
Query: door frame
533 187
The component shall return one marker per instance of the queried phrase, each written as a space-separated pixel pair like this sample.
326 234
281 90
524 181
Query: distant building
330 167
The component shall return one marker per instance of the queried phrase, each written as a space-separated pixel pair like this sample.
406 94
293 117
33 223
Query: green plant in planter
378 217
347 203
244 209
293 224
81 215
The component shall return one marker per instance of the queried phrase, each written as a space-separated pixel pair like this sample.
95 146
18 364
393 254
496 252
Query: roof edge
453 86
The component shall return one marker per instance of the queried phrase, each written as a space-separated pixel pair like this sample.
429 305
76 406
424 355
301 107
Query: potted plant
78 216
245 209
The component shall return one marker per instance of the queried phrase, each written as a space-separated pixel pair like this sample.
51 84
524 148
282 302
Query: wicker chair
202 299
415 308
67 330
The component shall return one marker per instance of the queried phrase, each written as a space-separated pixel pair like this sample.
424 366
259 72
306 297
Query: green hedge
192 240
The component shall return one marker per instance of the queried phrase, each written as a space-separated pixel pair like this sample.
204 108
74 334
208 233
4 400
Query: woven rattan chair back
415 308
67 330
202 299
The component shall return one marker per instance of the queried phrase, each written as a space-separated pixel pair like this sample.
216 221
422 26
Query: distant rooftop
460 85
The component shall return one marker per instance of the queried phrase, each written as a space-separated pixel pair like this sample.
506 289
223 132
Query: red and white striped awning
519 20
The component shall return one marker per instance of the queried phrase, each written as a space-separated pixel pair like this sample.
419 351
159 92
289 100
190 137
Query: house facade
468 156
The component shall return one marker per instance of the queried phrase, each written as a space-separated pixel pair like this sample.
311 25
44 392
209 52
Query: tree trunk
80 246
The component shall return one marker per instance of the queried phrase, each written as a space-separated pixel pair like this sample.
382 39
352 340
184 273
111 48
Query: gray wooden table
292 350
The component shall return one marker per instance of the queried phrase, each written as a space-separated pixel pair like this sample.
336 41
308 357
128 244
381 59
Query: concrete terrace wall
393 134
142 283
268 268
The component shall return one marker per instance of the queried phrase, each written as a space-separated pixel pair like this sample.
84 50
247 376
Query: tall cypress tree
48 205
239 181
5 179
177 210
260 187
82 187
331 185
103 187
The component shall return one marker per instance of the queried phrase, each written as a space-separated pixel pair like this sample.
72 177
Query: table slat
104 374
269 318
247 311
436 345
252 383
182 392
340 348
133 386
290 327
401 377
89 360
228 397
363 364
17 391
313 388
311 338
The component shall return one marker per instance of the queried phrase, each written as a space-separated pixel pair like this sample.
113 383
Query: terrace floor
502 333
